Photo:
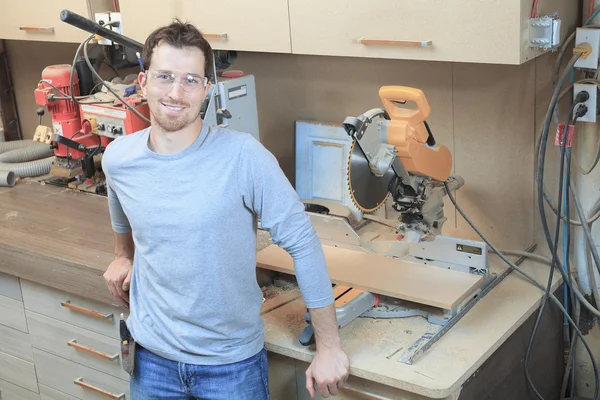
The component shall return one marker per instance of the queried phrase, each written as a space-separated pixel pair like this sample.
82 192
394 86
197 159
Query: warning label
469 249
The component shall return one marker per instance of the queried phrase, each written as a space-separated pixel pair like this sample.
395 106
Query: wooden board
388 276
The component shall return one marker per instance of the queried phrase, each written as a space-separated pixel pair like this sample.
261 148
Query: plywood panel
328 89
481 105
494 110
402 279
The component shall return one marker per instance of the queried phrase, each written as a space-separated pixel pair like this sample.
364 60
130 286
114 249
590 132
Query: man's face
175 103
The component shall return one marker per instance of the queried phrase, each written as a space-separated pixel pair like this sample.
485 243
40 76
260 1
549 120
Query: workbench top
63 239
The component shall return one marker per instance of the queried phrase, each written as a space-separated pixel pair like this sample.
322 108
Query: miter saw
396 163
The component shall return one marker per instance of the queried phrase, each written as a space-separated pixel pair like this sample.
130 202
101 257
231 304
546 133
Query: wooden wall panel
494 114
477 111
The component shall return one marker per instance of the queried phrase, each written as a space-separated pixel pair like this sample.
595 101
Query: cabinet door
459 30
232 25
40 20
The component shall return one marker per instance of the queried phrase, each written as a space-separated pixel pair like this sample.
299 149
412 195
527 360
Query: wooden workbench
63 239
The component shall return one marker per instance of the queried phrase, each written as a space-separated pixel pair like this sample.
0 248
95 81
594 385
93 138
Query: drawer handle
362 393
73 343
85 310
79 381
215 35
36 29
412 43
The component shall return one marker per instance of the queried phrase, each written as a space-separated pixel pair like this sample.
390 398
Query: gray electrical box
232 105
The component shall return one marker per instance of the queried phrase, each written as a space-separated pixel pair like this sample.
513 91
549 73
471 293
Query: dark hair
179 35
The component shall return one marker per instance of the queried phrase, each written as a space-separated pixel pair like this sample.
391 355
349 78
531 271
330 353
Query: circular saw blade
368 191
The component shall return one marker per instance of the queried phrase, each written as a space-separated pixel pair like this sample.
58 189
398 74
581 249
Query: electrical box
592 37
544 32
105 18
591 103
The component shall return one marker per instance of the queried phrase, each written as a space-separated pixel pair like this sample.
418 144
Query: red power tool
54 93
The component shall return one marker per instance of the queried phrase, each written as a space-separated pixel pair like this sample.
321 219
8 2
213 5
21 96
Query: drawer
78 380
76 344
75 310
241 25
15 343
9 391
10 286
12 314
396 28
18 21
47 393
18 372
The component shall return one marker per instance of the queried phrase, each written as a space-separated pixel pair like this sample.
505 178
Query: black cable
540 189
553 247
87 60
54 87
535 283
567 233
81 45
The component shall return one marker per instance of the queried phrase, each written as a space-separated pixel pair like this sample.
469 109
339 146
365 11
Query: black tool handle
90 26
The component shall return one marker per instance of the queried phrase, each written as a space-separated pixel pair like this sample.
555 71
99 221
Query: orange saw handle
408 134
414 117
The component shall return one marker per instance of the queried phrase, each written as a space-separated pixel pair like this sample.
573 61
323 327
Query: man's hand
118 278
329 370
330 367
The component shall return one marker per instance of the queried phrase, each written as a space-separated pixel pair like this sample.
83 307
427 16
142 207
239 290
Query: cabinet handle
36 29
73 343
362 393
79 381
84 310
215 36
412 43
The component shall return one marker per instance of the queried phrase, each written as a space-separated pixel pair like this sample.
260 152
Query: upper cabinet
491 31
39 20
228 25
477 31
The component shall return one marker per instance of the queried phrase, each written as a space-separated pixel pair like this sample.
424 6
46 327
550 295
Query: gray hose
17 144
29 168
24 158
28 153
7 178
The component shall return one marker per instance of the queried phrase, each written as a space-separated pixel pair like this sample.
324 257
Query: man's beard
170 123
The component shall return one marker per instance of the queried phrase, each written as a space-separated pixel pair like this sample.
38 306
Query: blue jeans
159 378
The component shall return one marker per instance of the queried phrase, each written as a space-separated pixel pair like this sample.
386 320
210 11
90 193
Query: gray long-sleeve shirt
194 297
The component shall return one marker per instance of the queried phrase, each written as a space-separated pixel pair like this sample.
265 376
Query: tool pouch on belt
128 356
127 348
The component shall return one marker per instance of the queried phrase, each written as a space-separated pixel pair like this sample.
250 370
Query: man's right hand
118 278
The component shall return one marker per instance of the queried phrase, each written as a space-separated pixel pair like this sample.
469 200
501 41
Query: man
183 200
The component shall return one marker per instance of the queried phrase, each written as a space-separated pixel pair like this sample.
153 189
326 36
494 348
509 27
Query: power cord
555 263
513 267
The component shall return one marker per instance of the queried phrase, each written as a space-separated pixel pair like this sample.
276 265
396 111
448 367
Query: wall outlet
591 36
591 103
105 18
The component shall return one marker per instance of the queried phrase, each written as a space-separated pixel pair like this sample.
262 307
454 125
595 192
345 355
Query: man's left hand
329 369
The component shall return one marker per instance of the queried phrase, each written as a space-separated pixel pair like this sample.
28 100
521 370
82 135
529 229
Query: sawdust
263 239
11 215
273 291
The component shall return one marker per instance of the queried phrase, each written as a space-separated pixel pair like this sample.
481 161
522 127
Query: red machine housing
65 113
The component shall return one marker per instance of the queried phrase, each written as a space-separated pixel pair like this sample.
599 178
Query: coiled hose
23 158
